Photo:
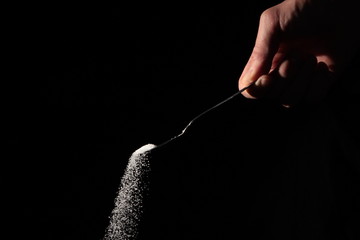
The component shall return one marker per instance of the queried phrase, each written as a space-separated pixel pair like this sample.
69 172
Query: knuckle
269 17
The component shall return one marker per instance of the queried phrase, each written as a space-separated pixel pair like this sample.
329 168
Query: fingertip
258 64
260 88
246 79
288 68
263 82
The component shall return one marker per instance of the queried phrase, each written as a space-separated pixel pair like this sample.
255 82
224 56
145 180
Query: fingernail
262 81
259 82
286 105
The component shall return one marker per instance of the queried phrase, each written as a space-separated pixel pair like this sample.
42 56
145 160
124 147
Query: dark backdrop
91 85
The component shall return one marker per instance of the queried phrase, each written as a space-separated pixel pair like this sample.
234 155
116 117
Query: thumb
266 46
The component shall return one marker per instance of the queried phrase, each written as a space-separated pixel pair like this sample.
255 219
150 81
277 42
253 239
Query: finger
278 59
266 46
261 87
273 85
300 81
320 86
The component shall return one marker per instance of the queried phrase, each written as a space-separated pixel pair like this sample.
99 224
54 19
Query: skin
301 48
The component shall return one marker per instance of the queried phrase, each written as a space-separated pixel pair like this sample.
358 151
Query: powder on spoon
126 215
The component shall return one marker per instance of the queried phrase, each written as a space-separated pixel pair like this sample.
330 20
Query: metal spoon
203 113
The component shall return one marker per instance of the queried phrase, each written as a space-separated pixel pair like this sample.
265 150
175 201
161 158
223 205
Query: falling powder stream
125 217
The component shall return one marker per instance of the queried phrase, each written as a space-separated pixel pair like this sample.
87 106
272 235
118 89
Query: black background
88 86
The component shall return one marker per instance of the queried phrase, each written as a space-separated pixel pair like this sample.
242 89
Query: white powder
126 215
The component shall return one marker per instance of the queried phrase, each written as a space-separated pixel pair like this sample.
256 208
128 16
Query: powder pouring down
126 215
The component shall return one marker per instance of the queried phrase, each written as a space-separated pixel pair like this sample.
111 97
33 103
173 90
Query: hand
300 49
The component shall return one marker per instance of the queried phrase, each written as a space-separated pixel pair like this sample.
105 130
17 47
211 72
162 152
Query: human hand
300 49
